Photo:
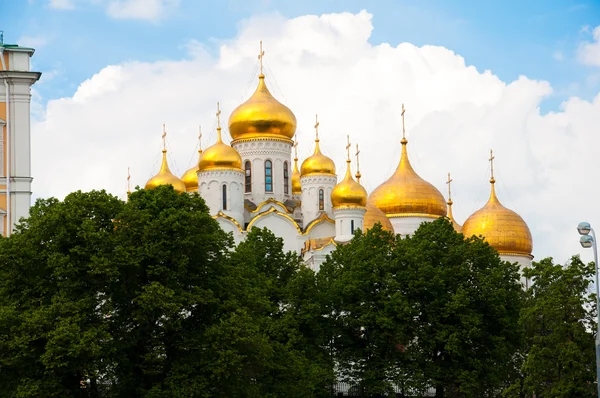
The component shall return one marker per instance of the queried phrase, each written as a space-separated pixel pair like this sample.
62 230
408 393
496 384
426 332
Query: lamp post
588 241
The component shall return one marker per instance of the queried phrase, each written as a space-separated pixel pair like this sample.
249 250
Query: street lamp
587 241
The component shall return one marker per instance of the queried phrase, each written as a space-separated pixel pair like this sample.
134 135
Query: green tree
558 320
54 276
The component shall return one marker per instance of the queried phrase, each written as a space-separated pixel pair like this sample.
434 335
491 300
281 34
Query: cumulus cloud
326 65
61 4
589 52
149 10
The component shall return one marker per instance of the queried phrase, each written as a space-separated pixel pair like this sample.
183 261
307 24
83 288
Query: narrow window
286 178
248 167
321 200
352 227
224 197
268 176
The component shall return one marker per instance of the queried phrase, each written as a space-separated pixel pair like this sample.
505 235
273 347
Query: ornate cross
357 164
260 57
218 115
200 138
403 129
295 147
164 137
348 146
128 179
449 191
491 159
317 126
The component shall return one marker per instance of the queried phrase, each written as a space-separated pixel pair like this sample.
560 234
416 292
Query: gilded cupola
317 163
296 188
348 193
457 226
262 116
220 156
373 216
164 176
190 177
502 228
407 194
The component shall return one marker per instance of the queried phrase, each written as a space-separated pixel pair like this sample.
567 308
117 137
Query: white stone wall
257 151
210 187
408 225
524 262
282 227
311 185
343 222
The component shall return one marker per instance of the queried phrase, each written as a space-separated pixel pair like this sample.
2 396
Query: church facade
255 182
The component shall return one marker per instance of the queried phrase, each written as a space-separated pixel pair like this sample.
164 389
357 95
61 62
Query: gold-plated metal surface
348 193
457 226
502 228
164 176
374 216
262 116
220 156
296 188
317 163
406 192
190 177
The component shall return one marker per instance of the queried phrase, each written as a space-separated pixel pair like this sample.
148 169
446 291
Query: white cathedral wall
323 229
524 262
311 185
257 151
228 226
408 225
343 222
283 228
314 258
210 187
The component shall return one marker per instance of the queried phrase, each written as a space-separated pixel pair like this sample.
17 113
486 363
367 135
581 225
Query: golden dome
405 193
502 228
317 163
190 177
348 193
262 116
374 216
165 177
220 156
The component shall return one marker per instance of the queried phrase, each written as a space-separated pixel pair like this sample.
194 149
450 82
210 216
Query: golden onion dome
262 116
165 177
317 163
407 194
220 156
190 177
348 193
374 216
296 188
502 228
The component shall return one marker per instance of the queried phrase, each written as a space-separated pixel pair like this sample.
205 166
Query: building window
248 184
321 200
286 179
224 197
352 227
268 176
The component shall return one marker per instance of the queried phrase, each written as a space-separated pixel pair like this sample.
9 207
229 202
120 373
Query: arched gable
282 225
229 224
320 227
271 204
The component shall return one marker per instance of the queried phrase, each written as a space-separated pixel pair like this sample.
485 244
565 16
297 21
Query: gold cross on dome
218 115
449 191
317 126
403 129
261 55
348 146
295 146
200 137
128 179
491 159
164 137
357 163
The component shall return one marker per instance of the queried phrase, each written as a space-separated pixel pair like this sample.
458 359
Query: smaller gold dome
296 188
317 163
406 193
165 177
348 193
502 228
374 216
262 116
220 156
457 226
190 177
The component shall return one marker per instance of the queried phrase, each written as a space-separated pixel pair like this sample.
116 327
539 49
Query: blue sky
535 38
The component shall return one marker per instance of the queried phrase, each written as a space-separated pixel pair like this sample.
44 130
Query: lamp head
586 241
584 228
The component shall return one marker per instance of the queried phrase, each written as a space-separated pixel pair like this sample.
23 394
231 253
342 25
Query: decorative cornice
404 215
267 202
273 210
318 178
262 139
220 172
350 207
515 254
220 214
323 217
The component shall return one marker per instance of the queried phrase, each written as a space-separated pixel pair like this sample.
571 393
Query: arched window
286 179
248 168
224 197
321 200
268 176
352 227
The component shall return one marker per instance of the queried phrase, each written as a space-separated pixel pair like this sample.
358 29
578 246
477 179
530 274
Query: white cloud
545 164
558 56
151 10
589 52
61 4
